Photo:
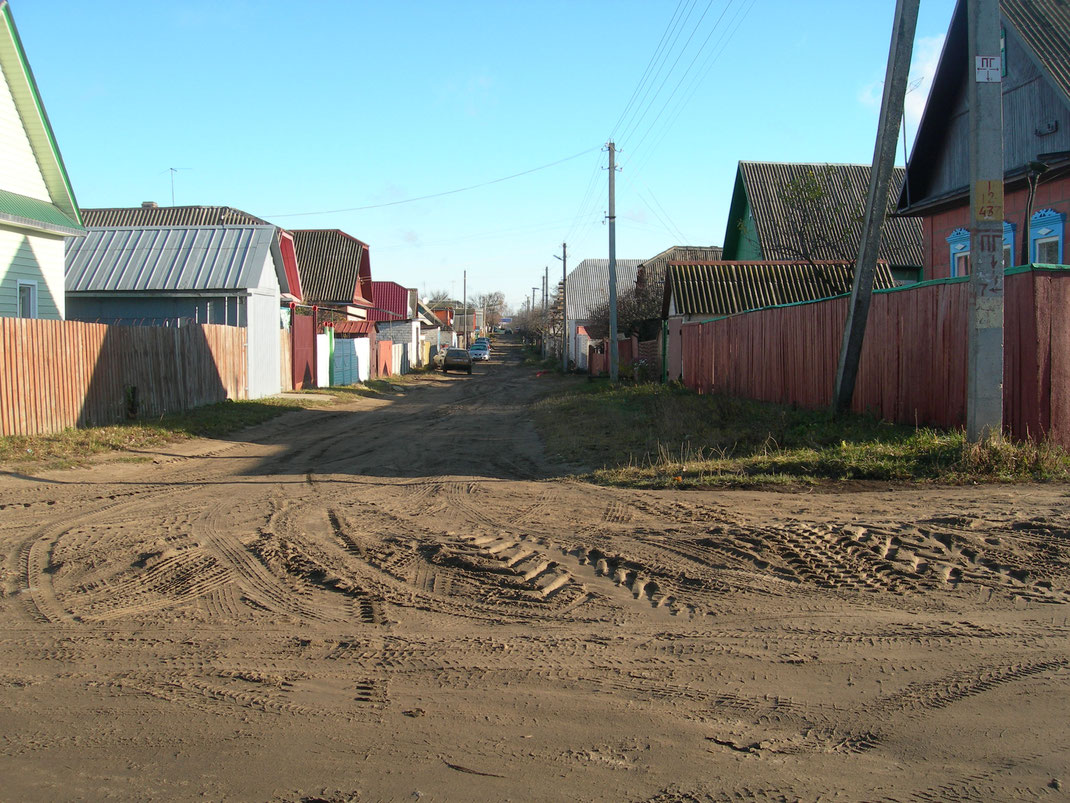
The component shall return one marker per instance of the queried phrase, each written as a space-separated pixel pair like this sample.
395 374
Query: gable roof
335 267
760 185
725 288
60 214
588 284
1042 28
175 258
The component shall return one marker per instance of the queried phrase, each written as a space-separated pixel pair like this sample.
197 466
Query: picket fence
60 374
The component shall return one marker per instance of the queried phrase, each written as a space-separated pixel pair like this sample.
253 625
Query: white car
479 351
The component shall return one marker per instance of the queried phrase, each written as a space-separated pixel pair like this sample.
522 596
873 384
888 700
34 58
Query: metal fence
60 374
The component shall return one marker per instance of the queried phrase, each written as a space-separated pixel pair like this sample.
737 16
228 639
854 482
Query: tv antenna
174 170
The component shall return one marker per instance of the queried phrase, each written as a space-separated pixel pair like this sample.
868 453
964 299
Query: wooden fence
60 374
913 363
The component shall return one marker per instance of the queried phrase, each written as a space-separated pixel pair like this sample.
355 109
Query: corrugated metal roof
352 327
335 266
390 302
170 216
725 288
21 209
588 284
168 258
1044 26
848 185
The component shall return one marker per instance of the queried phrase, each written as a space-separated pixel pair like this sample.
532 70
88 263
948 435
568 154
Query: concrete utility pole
534 329
895 85
546 311
564 308
464 291
614 354
984 368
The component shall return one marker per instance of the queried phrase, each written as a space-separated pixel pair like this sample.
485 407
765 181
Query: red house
1035 49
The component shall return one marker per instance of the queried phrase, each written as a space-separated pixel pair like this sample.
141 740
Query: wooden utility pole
895 85
984 368
614 354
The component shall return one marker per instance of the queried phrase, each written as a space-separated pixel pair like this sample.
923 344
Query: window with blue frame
959 247
1047 229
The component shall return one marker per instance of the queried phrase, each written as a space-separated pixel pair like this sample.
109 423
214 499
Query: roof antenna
173 171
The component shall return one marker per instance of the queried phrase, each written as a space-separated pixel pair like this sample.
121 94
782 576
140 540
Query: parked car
456 358
479 352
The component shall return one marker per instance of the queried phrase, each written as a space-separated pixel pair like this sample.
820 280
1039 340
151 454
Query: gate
303 348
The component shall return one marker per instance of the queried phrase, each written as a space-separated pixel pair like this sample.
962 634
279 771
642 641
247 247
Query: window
959 244
1046 230
27 299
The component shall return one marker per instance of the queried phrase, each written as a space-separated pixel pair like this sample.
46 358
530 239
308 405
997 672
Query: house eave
41 226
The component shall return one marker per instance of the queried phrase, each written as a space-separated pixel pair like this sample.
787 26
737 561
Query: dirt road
405 600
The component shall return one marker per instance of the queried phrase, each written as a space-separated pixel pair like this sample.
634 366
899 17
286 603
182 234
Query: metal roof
848 185
725 288
25 211
170 216
178 258
390 302
588 284
335 267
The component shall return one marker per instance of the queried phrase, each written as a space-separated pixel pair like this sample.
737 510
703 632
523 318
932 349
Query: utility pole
464 291
984 367
534 328
564 308
895 84
614 355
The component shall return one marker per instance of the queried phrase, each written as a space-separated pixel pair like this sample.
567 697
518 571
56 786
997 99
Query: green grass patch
659 436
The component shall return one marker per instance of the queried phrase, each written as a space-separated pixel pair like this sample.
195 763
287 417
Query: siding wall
262 315
19 171
36 258
913 366
60 374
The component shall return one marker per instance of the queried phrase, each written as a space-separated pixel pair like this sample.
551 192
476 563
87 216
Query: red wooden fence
59 374
913 364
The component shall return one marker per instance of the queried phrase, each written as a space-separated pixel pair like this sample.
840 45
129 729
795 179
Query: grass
658 436
73 446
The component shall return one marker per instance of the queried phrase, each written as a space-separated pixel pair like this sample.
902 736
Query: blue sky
292 111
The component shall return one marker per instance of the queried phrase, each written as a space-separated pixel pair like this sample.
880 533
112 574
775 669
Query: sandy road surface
399 600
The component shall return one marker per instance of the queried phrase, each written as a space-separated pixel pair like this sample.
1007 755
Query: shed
206 274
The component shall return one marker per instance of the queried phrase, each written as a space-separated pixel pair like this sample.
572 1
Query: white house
37 206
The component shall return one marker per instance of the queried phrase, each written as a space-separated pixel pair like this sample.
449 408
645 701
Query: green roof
24 211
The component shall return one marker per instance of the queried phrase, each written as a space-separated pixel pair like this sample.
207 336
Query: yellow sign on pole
989 196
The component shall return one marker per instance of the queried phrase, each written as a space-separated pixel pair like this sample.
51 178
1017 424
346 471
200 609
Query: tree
635 306
818 224
440 299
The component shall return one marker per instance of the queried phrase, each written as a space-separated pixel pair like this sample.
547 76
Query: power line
438 194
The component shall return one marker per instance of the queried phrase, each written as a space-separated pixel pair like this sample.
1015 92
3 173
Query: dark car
456 358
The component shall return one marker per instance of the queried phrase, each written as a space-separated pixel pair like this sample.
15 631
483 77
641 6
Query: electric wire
438 194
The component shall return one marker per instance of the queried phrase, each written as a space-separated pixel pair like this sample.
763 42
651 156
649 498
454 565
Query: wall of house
19 171
1029 103
36 258
745 240
936 228
222 309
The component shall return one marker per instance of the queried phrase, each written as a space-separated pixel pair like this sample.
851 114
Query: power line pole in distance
564 308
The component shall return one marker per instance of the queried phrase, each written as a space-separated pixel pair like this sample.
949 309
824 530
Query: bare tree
818 225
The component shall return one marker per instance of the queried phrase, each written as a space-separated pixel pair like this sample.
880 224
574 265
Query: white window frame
32 285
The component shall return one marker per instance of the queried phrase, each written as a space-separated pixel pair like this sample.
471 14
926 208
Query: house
651 274
38 210
1035 65
231 275
587 288
152 214
813 212
696 291
335 271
